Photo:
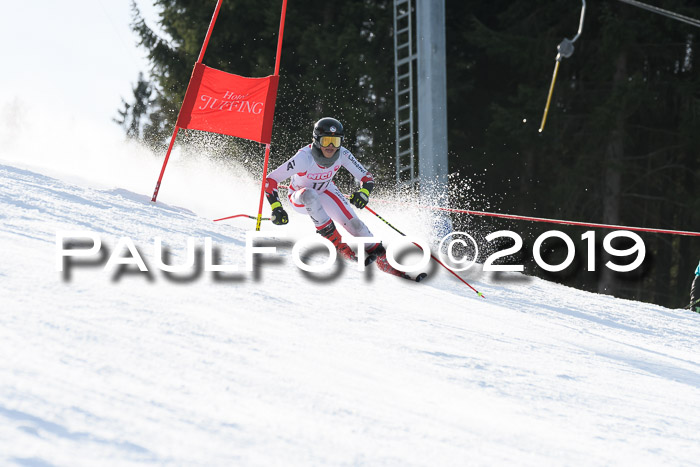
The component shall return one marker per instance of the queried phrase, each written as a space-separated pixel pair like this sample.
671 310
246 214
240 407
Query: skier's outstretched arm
279 215
361 197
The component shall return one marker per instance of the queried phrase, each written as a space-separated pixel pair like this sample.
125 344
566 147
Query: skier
312 191
695 291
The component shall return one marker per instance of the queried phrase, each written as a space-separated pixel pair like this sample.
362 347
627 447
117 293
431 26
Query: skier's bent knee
355 225
309 197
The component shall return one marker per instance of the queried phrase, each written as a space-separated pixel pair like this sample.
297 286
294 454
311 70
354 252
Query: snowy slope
284 368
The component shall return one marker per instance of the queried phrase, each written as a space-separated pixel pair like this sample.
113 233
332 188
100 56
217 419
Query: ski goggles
325 141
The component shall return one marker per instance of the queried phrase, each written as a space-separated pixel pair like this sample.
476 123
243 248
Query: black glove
360 198
279 215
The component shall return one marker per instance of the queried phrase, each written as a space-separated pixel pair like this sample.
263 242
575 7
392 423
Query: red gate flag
229 104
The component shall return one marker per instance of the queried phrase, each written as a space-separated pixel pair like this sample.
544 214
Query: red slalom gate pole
267 146
431 255
262 188
165 163
241 215
199 60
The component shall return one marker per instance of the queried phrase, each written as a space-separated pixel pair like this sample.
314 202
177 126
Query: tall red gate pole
267 146
199 60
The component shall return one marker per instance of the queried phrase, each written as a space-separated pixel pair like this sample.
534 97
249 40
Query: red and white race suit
312 191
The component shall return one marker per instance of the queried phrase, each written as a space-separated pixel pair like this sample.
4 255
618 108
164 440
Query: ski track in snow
280 368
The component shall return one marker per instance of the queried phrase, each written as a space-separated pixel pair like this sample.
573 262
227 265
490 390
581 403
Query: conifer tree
132 115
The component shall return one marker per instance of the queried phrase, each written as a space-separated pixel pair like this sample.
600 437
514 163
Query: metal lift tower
420 75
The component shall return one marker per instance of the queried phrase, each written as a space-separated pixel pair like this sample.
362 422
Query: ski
379 258
347 254
384 266
417 278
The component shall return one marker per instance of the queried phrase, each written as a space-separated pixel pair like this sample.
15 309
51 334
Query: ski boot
378 256
332 234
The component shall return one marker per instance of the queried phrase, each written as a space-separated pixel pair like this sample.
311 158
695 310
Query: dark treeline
620 146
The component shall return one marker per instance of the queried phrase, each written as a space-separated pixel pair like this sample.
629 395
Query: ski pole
242 215
431 255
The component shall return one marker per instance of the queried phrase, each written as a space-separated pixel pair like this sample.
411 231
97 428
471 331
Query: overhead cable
661 11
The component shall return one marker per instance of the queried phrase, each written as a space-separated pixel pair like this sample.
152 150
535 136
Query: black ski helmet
327 126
